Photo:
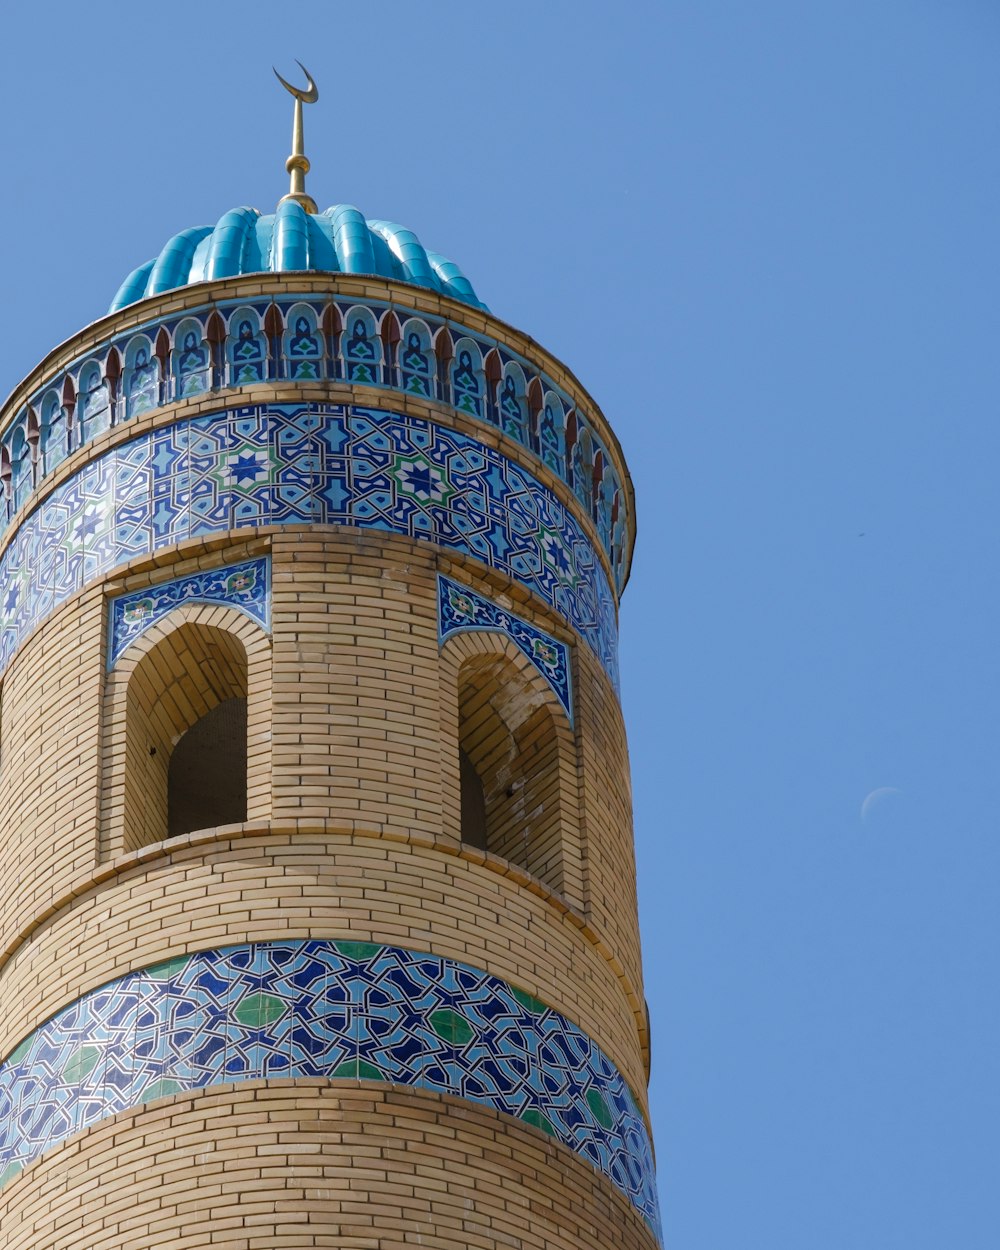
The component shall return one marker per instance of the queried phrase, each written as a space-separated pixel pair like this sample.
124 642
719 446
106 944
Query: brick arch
196 657
500 714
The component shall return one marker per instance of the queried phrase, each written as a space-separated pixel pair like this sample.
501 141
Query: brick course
355 714
294 1165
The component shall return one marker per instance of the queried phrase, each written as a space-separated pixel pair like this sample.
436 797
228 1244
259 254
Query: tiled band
172 358
301 1009
277 464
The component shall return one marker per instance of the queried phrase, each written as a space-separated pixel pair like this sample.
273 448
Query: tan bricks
315 1164
356 717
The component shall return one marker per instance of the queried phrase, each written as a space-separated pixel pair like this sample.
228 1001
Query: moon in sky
872 800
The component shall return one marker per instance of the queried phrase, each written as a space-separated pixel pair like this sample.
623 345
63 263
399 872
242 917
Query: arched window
185 735
207 775
302 344
468 384
94 406
515 757
246 348
361 346
192 371
416 358
141 383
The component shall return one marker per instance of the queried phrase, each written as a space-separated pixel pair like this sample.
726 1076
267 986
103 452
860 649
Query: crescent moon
309 95
874 797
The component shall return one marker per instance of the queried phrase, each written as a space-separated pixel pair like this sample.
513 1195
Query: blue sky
765 237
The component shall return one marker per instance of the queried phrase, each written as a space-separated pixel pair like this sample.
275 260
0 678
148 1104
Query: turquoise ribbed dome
339 240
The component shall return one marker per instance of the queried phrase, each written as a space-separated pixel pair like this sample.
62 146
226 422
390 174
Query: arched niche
510 761
186 742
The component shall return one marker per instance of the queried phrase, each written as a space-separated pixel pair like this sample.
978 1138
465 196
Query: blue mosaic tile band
246 587
301 1009
321 463
211 348
461 609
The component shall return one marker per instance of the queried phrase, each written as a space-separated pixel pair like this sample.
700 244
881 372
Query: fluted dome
339 240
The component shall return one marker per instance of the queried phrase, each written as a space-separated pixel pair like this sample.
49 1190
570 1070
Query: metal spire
298 163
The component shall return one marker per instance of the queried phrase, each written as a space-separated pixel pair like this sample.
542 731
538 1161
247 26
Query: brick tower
317 900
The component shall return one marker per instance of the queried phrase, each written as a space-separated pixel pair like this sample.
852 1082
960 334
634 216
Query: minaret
317 902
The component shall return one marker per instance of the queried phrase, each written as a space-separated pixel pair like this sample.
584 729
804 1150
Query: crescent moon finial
298 163
308 95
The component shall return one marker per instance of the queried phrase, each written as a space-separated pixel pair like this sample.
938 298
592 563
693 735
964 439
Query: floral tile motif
461 609
285 465
323 1009
246 587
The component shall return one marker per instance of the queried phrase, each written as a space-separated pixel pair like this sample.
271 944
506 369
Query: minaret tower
317 897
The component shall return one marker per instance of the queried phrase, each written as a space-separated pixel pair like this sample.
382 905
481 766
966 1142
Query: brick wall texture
355 719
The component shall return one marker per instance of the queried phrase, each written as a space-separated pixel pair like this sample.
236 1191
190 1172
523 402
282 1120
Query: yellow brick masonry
292 1166
353 833
362 754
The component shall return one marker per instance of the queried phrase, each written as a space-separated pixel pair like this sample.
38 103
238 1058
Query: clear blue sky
765 237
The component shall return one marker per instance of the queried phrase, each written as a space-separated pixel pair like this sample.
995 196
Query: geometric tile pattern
170 357
319 1008
276 464
461 609
245 587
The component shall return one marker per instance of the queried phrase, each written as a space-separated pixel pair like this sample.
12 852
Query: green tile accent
81 1063
357 950
528 1001
162 1089
600 1109
168 968
20 1050
9 1172
359 1070
537 1120
451 1027
256 1010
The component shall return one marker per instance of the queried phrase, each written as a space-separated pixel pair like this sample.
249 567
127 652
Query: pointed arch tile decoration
224 345
246 587
319 1008
461 609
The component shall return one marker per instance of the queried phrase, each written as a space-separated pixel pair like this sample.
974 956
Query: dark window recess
473 804
207 781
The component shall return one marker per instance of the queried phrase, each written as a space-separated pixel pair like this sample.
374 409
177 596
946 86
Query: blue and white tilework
321 463
212 348
461 609
301 1009
245 587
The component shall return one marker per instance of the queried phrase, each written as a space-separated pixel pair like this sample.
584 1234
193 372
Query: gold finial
298 164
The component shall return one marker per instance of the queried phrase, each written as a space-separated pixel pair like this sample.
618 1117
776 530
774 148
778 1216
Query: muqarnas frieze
246 587
277 464
317 1008
303 339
